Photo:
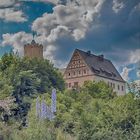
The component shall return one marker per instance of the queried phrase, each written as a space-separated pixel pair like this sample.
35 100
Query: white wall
116 83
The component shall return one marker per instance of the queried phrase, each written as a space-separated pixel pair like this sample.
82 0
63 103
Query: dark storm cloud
114 34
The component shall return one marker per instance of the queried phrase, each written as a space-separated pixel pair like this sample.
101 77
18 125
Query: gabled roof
100 66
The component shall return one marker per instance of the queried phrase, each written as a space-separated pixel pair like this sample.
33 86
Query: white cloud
125 73
134 56
50 1
10 14
56 32
66 20
7 3
138 73
138 70
72 19
48 53
117 5
17 41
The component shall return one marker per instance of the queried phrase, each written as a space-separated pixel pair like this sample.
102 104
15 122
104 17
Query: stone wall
32 51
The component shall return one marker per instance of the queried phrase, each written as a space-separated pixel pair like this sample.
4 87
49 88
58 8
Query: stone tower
33 50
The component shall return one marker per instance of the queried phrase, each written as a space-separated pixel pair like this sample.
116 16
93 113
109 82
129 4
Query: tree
24 91
98 90
25 78
5 87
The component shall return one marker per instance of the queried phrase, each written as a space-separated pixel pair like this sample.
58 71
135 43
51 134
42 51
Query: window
84 71
75 84
66 85
69 85
113 85
79 72
108 84
69 74
74 73
122 88
118 87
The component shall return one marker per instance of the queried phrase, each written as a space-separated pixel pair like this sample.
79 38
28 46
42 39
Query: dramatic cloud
117 5
7 3
138 70
134 56
10 14
110 27
125 73
9 11
47 1
17 40
72 19
138 74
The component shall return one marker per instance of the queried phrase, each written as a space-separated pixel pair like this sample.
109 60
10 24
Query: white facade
117 86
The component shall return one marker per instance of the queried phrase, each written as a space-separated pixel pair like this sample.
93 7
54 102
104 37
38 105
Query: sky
108 27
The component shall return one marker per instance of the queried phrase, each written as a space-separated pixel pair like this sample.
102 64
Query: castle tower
33 50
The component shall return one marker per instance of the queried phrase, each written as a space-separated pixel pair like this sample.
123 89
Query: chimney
101 57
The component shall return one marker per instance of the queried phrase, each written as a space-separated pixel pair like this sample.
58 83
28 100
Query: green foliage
98 90
94 112
5 87
24 79
134 89
84 117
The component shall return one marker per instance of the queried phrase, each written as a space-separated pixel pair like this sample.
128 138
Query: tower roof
33 42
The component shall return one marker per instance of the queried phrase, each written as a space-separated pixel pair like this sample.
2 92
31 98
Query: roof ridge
106 64
92 54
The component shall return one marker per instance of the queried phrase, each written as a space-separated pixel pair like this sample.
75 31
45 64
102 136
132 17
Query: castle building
33 50
85 66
